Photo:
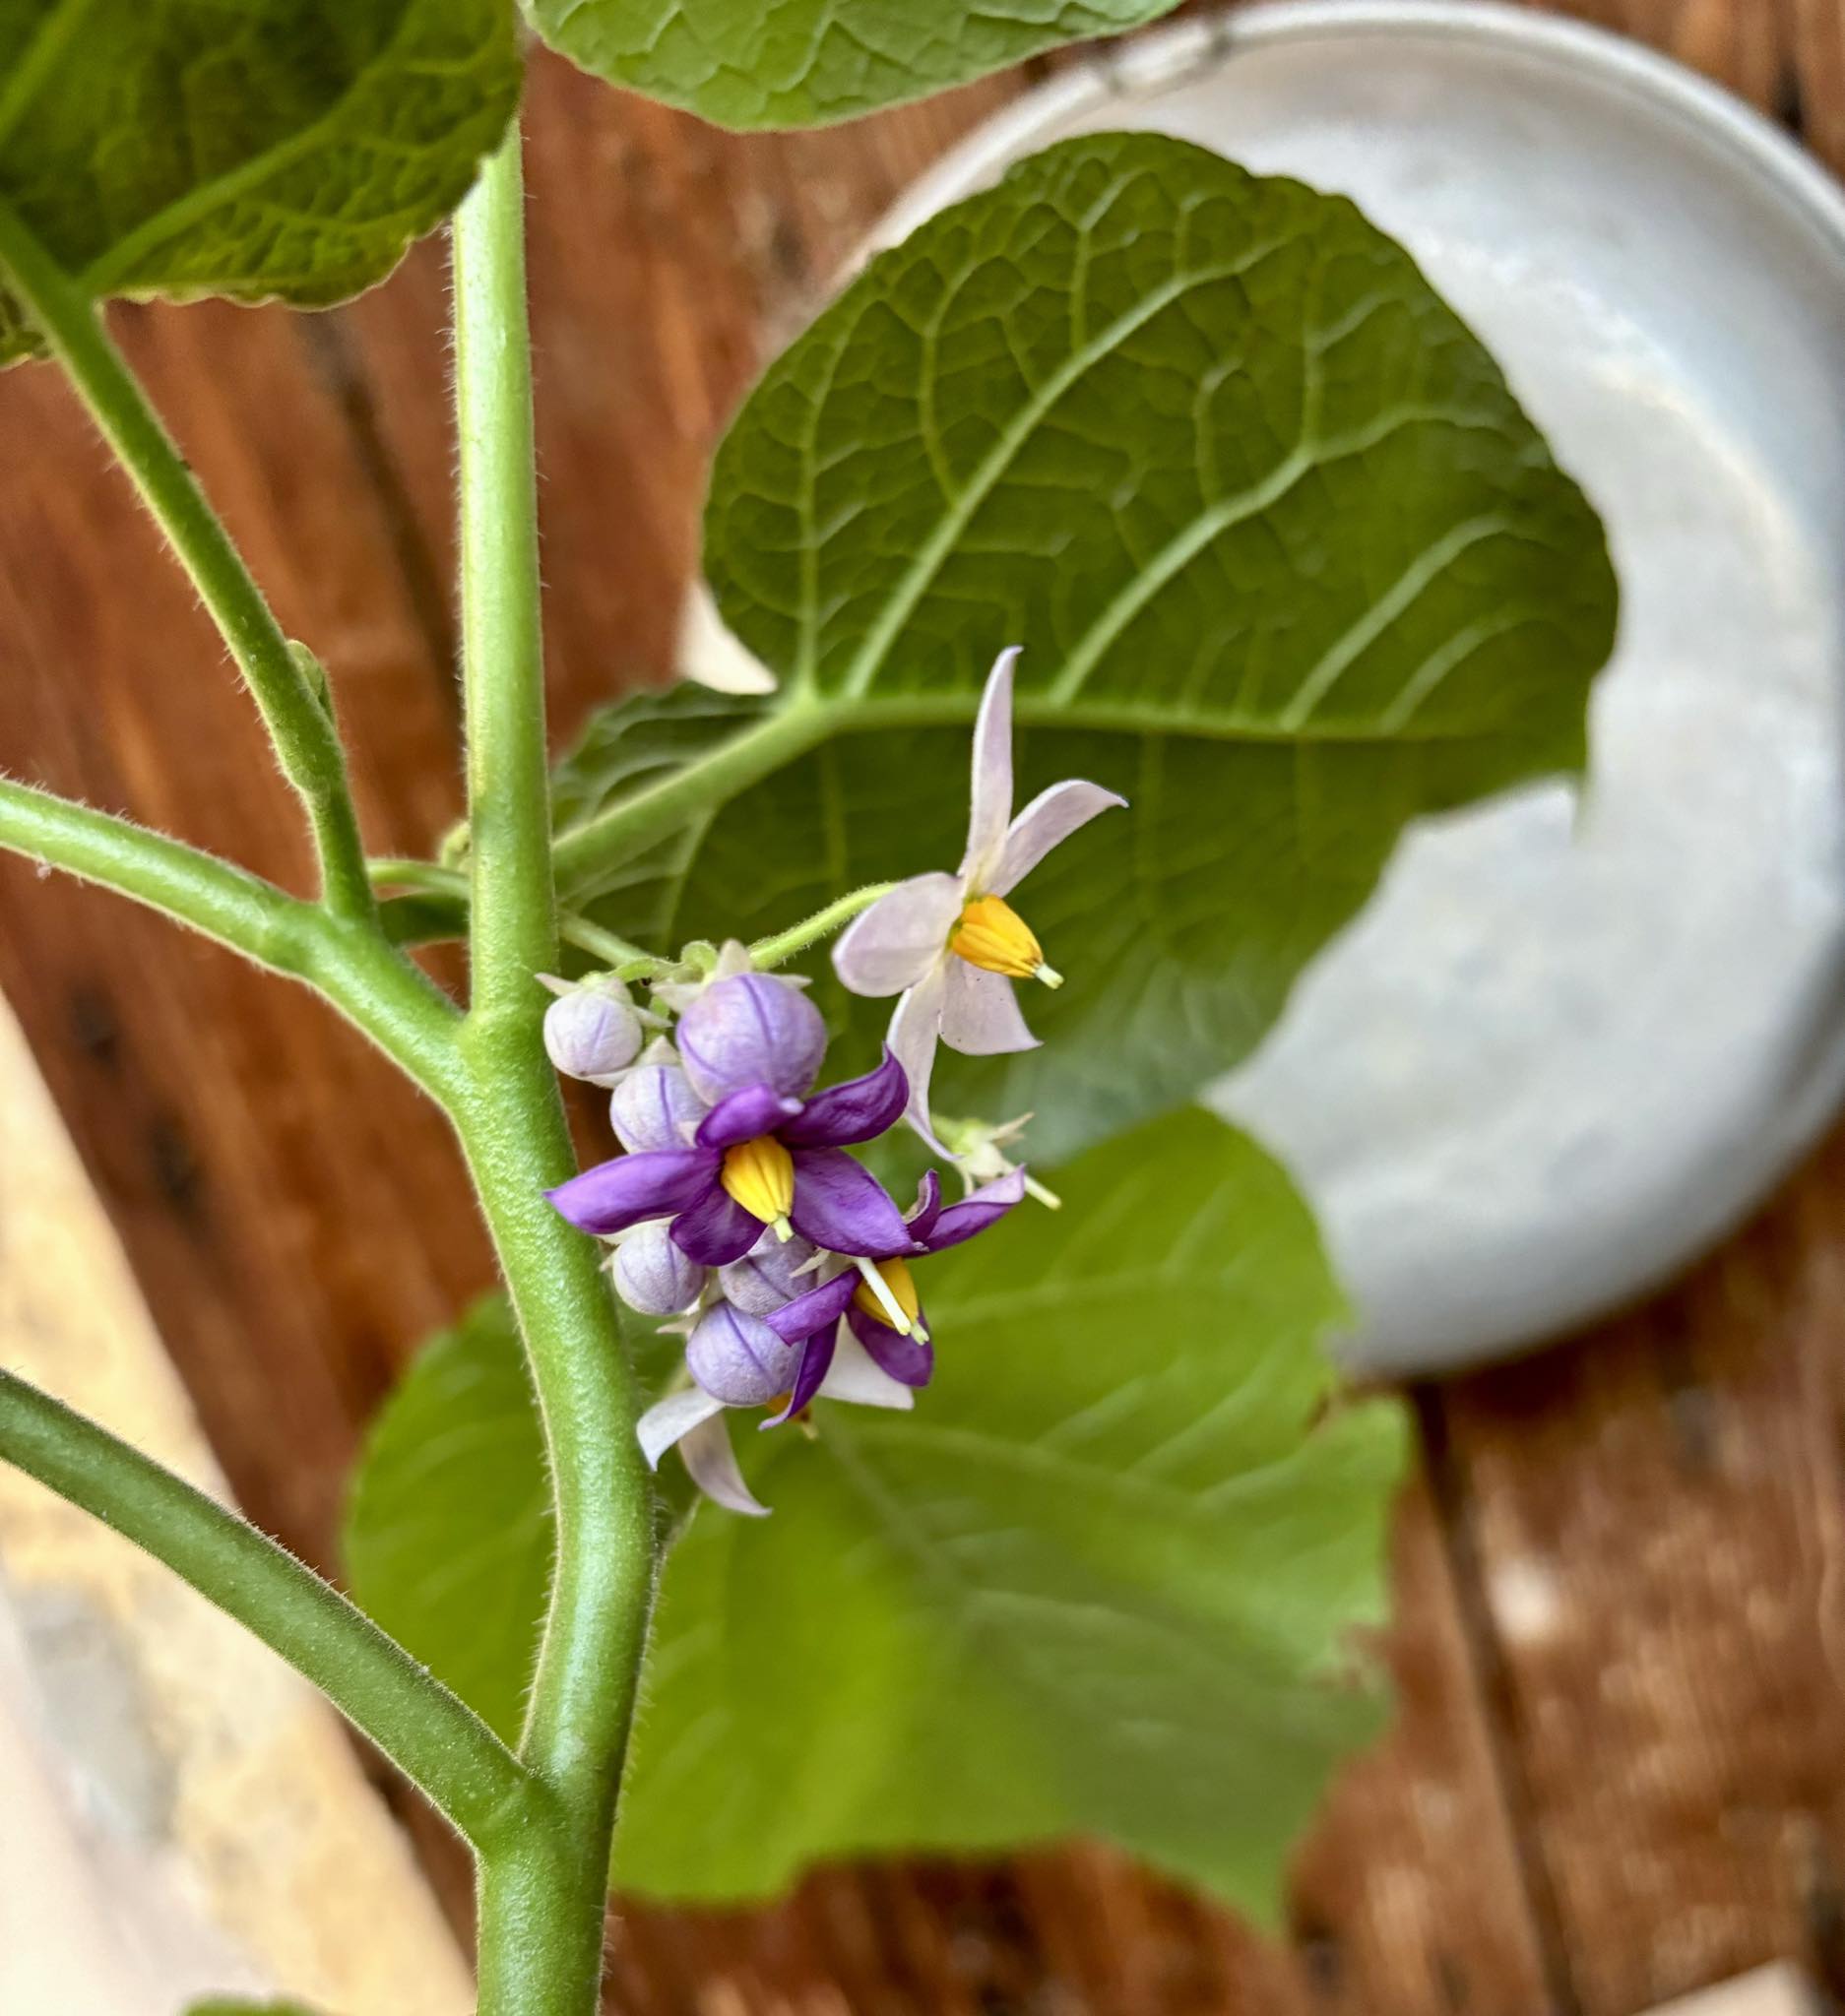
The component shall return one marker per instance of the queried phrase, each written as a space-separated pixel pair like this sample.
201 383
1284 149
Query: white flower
951 944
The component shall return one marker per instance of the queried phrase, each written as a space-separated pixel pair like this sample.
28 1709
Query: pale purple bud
764 1280
653 1276
654 1108
592 1033
739 1359
752 1029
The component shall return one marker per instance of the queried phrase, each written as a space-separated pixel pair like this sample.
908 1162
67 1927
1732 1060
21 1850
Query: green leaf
288 147
754 63
448 1529
1103 1579
1291 566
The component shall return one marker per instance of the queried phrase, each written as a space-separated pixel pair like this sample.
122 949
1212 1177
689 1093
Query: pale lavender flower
951 945
592 1031
751 1029
651 1274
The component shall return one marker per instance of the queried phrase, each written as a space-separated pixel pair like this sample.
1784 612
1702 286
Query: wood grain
1616 1775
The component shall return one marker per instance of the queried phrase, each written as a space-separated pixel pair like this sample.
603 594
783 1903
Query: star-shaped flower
951 945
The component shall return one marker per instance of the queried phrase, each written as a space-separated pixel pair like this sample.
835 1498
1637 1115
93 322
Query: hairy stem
541 1908
465 1771
301 725
347 962
784 945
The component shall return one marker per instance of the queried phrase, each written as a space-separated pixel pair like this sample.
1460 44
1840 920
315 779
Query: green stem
464 1770
783 945
541 1908
430 878
347 962
300 726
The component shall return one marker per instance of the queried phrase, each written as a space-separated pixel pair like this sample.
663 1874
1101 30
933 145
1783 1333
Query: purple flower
739 1352
773 1272
655 1106
653 1276
592 1031
759 1158
870 1296
751 1028
951 945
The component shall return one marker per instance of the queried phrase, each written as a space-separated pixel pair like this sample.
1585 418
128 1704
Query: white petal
894 943
667 1420
989 805
981 1013
712 1463
915 1030
854 1376
711 654
1052 816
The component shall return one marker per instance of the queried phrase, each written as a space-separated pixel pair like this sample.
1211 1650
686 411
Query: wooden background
1620 1767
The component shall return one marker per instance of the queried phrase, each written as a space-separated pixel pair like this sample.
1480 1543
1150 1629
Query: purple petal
908 1360
900 937
990 800
914 1030
655 1106
667 1420
765 1279
711 1463
815 1359
840 1205
981 1013
716 1229
617 1194
927 1208
974 1214
814 1311
738 1358
861 1109
742 1116
856 1378
751 1028
1050 817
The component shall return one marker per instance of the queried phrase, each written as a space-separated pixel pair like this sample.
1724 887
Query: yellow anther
990 934
900 1284
760 1175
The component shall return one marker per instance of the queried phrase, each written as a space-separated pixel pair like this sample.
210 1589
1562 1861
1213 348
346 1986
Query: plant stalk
542 1905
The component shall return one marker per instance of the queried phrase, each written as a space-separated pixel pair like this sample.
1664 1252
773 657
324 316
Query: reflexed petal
896 941
667 1420
742 1116
716 1230
914 1030
856 1376
861 1109
975 1213
840 1205
712 1464
617 1194
1050 819
816 1355
814 1311
908 1360
981 1013
927 1208
989 805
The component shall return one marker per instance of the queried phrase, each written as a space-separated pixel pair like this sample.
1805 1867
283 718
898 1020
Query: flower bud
592 1032
751 1028
739 1359
764 1280
655 1106
653 1276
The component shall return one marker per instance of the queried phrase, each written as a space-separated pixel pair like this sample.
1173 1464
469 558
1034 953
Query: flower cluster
736 1211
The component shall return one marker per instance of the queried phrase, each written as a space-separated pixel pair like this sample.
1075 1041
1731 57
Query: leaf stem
783 945
430 878
348 964
301 725
542 1905
464 1770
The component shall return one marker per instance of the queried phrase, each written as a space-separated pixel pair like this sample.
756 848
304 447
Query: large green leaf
288 147
448 1533
1104 1578
1290 564
750 63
